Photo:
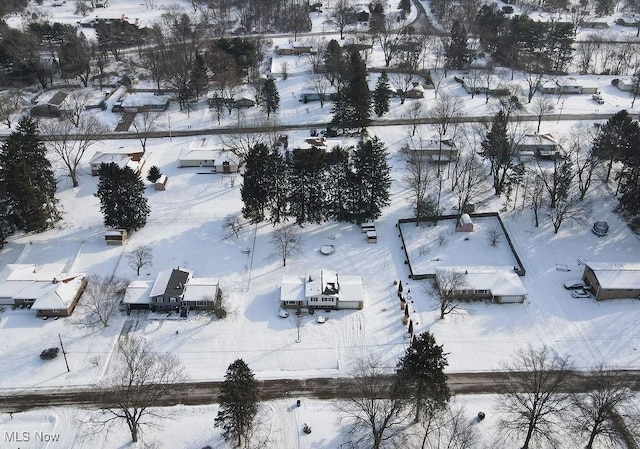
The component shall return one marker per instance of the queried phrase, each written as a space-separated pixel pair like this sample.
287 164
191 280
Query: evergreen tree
382 95
421 373
333 61
270 101
7 227
405 7
258 184
352 109
616 138
307 185
337 190
371 180
199 76
154 174
497 148
122 202
27 178
279 173
458 52
239 403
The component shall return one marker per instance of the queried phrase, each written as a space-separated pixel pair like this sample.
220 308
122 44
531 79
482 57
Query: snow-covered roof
351 288
120 159
203 154
138 292
63 293
538 139
143 99
317 142
613 275
465 219
201 289
321 282
292 288
171 282
500 281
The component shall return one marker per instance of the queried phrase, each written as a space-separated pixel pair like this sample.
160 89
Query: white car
575 284
283 313
598 98
321 319
580 294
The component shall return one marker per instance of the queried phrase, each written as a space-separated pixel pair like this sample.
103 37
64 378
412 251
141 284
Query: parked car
321 319
580 294
575 284
283 313
598 98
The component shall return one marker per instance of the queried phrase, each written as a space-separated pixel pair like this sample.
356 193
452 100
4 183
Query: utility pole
64 353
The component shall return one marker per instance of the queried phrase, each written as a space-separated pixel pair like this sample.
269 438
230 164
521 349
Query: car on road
283 313
575 284
580 294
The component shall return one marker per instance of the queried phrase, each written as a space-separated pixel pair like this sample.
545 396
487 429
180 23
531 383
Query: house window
314 299
55 310
482 292
160 299
291 303
172 299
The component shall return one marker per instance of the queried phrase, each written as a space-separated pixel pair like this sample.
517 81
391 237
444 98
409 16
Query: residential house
500 285
611 280
294 48
570 85
317 142
437 150
51 106
493 85
416 91
219 160
322 289
135 161
47 289
174 289
540 146
242 103
624 84
141 101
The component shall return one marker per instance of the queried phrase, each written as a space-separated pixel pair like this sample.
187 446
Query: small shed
115 236
465 224
161 183
372 237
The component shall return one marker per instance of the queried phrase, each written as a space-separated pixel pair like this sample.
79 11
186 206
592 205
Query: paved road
199 393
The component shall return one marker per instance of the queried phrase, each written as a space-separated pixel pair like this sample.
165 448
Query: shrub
154 174
49 354
221 314
507 9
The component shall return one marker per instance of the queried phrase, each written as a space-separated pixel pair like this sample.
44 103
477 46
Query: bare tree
494 236
534 80
240 144
448 428
567 208
74 105
340 16
586 162
445 289
142 378
100 300
71 143
140 257
470 176
318 84
286 241
473 81
418 178
534 194
373 408
415 113
597 410
10 106
316 58
542 106
389 35
233 224
534 396
144 123
586 51
402 83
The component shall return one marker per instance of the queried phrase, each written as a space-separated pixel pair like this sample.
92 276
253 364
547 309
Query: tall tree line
312 186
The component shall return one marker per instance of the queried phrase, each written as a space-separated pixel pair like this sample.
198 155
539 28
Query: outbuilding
612 280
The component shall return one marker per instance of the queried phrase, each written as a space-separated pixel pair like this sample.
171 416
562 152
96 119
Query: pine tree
28 183
270 101
421 373
122 202
239 403
352 109
154 174
257 185
405 7
371 180
497 148
458 53
307 185
199 76
279 173
333 61
382 95
338 178
617 137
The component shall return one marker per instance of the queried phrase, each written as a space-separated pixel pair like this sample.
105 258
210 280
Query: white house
172 290
499 284
322 289
570 85
436 150
47 289
538 145
218 160
135 161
